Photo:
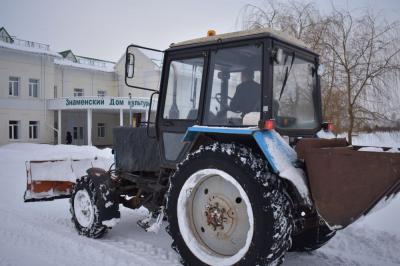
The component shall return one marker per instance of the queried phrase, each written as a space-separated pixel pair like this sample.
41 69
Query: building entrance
78 137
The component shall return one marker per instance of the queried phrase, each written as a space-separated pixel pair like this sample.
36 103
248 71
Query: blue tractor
232 155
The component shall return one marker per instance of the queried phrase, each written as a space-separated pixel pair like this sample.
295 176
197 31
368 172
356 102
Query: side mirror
321 69
143 67
129 64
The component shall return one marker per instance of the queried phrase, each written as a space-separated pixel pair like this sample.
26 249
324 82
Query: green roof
9 36
65 53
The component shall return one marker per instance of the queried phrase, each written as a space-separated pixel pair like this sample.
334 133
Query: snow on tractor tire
92 205
222 201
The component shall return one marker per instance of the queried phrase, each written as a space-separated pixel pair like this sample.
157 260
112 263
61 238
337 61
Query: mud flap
346 183
54 179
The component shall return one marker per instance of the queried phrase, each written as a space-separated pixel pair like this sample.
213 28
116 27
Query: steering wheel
218 97
226 108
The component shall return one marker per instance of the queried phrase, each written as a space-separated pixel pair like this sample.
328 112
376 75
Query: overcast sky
103 28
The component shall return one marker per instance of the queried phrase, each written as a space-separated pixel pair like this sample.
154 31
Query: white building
39 88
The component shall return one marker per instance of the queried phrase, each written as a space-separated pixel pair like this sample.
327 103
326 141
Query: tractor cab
242 79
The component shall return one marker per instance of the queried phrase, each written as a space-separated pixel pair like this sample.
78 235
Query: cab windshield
294 82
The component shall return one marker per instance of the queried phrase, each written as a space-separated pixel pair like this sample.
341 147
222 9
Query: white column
121 117
59 128
147 115
89 127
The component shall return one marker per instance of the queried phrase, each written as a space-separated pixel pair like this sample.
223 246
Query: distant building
45 94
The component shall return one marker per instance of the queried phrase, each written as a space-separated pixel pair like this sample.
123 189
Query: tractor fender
95 171
98 175
281 157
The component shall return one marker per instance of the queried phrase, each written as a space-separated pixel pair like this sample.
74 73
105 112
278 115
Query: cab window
234 86
294 83
183 90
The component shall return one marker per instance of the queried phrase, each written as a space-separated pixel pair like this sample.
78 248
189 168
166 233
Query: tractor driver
248 94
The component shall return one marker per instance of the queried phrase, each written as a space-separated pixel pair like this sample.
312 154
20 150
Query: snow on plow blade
347 182
54 179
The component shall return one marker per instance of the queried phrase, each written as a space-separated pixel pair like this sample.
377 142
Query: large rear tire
93 208
224 207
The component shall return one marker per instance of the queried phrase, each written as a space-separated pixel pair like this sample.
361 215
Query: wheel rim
83 208
215 217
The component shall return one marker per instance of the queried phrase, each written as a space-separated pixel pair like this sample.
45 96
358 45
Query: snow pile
322 134
66 170
380 139
111 223
31 151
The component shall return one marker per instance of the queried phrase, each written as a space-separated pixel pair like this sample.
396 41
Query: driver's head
247 74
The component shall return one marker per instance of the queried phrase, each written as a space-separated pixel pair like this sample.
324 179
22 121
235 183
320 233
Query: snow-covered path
42 234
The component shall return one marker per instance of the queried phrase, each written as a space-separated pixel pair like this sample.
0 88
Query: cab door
180 106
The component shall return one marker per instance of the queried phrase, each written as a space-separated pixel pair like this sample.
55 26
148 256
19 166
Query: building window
78 92
78 132
13 129
33 87
33 129
55 92
13 86
101 93
101 130
75 133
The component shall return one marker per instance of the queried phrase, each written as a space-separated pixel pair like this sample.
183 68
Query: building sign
136 103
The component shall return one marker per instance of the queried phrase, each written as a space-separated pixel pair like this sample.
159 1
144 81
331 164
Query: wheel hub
215 216
219 217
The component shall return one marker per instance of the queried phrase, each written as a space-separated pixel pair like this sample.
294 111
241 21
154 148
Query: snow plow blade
346 182
54 179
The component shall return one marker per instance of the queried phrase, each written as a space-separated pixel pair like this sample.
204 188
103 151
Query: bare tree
297 18
301 20
366 50
266 15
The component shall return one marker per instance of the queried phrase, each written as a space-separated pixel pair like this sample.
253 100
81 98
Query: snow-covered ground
41 233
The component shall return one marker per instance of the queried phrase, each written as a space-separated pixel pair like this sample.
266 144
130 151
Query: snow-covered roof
83 62
105 66
232 35
70 59
30 47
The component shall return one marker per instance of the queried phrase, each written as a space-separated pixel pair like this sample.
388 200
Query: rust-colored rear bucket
40 189
45 186
346 183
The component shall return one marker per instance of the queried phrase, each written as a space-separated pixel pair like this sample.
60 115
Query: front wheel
225 208
92 206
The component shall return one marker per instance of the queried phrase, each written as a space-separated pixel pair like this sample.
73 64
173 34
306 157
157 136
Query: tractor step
151 224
